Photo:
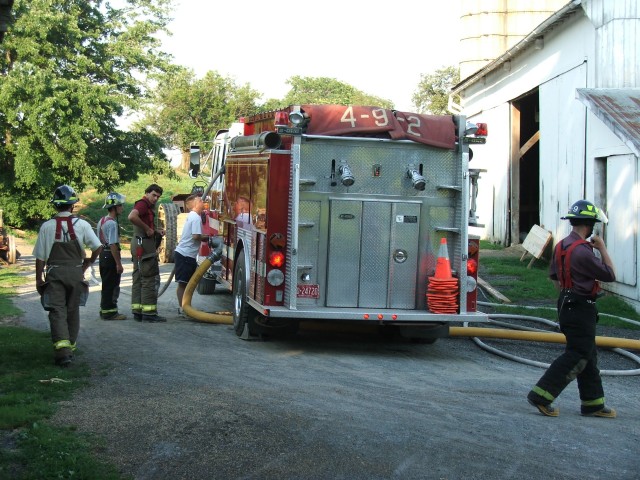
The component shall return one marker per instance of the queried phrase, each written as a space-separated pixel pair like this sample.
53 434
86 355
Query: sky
379 47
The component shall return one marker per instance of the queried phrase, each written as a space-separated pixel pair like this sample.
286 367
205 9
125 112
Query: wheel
243 314
206 286
168 220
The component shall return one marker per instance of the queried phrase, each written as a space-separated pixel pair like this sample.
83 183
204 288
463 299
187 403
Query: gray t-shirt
109 229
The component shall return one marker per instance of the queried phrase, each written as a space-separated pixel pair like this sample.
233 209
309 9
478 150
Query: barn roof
619 109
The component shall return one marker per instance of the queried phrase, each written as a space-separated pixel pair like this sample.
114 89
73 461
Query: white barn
563 110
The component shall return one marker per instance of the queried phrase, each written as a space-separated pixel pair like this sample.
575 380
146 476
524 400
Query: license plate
308 291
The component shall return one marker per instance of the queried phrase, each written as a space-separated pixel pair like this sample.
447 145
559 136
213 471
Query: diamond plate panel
405 236
320 158
376 235
343 269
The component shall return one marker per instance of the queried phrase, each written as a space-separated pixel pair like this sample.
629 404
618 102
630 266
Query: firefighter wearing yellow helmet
60 267
576 270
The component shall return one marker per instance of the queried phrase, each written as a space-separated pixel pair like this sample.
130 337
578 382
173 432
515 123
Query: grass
30 388
9 279
517 282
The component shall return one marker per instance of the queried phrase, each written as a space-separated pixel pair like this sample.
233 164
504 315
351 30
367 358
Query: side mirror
194 161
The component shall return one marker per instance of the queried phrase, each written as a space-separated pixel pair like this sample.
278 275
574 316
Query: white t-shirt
187 247
47 234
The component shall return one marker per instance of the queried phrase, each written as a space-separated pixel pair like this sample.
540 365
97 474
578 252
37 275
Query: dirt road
187 400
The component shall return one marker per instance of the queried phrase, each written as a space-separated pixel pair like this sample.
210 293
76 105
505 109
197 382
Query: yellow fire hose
224 318
549 337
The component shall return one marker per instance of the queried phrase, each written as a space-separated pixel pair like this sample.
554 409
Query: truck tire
243 313
206 286
168 220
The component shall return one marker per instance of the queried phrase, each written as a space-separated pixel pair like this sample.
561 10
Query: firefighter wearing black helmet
576 271
60 267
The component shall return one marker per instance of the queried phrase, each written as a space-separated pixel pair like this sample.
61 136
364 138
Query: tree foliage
324 90
68 70
184 109
432 95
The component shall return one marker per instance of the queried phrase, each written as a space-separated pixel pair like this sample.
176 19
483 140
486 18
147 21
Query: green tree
184 109
324 90
432 95
68 70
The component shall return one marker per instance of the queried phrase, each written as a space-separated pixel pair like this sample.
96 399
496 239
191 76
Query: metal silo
488 28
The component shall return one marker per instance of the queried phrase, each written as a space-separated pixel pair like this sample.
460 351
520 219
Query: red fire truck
332 213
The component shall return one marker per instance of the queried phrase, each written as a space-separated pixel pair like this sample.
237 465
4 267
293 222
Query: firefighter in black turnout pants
576 270
108 230
59 251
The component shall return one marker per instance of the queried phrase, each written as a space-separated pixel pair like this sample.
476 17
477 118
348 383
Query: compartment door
403 255
343 263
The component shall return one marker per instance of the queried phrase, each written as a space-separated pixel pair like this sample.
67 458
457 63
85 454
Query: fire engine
332 213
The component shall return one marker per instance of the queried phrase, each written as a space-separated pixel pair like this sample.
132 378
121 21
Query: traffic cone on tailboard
442 290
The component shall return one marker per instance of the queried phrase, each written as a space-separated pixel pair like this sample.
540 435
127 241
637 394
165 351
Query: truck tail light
276 259
473 257
472 267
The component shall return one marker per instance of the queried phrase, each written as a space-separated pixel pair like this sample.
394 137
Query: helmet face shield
64 195
586 210
113 200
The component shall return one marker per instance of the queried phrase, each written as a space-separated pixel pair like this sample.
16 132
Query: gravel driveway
188 400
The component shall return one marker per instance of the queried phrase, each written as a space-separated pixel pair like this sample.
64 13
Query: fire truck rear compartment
372 252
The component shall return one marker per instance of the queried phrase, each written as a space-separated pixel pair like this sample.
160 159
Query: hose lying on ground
218 317
542 307
549 337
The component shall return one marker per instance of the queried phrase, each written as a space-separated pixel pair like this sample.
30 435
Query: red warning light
281 119
472 267
276 259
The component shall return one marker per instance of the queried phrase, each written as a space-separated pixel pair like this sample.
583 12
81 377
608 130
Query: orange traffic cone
442 291
443 266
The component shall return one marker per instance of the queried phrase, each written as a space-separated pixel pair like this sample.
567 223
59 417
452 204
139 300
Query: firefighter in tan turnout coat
60 267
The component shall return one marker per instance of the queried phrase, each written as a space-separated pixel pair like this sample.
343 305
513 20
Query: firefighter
60 267
108 230
146 270
576 270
